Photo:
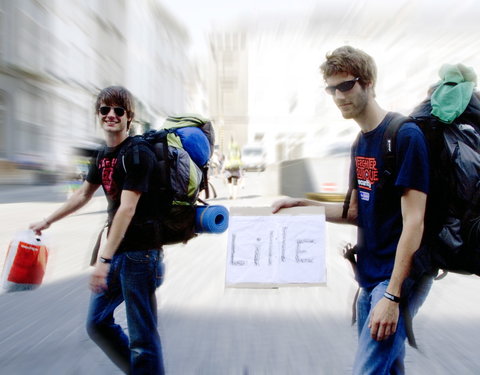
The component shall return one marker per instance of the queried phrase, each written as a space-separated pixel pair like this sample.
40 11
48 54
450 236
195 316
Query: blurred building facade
228 86
260 83
273 85
54 58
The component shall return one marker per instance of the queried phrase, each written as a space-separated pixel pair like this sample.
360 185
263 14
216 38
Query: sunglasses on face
342 87
119 111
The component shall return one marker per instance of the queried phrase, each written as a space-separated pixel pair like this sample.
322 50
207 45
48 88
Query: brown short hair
117 95
352 61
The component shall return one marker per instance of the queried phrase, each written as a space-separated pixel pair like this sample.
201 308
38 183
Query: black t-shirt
129 166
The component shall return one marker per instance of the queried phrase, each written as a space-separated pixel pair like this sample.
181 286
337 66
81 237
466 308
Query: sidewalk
42 332
208 329
205 328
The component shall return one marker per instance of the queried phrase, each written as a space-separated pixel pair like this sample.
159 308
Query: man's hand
39 226
384 319
98 279
286 203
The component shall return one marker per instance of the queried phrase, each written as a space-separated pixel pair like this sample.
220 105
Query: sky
409 39
200 16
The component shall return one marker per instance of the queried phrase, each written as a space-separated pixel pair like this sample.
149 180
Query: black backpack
182 150
451 240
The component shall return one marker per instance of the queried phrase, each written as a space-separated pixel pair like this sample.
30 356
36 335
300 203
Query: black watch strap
391 297
105 260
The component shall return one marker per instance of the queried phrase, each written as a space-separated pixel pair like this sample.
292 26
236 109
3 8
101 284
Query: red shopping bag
26 260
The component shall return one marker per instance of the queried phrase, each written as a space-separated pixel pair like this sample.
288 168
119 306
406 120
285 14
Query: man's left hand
98 279
384 319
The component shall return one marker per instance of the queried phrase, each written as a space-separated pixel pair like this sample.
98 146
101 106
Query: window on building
2 34
3 127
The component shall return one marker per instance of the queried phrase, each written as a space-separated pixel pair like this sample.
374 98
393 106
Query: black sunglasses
119 111
342 87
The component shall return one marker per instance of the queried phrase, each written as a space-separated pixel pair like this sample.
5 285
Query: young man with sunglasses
129 267
390 219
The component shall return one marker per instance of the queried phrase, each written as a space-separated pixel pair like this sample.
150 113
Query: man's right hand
286 203
98 278
39 226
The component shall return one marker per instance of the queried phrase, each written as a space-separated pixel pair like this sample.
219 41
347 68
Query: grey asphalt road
208 329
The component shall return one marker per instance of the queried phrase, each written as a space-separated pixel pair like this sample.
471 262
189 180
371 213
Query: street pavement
208 329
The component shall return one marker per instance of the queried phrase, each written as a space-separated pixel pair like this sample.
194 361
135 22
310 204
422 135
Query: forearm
121 221
413 212
409 243
75 202
384 317
117 231
333 211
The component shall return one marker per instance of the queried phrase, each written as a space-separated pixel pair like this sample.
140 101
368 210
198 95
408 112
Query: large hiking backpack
452 223
182 148
451 240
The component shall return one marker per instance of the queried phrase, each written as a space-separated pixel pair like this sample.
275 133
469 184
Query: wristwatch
391 297
105 260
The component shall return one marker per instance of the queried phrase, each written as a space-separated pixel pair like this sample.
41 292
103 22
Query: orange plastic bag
25 262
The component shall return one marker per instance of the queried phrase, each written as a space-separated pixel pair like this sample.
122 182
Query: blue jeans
133 278
387 356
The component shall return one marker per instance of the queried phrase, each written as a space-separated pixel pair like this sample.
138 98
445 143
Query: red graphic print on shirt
107 167
367 172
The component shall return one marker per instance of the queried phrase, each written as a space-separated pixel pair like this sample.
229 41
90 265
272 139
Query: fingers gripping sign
384 319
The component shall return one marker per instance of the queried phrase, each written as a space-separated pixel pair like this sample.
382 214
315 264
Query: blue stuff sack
196 143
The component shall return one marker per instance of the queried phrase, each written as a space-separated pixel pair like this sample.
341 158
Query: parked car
253 158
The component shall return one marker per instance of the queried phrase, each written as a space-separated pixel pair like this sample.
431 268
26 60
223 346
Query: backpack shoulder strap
157 142
133 146
352 178
99 156
389 144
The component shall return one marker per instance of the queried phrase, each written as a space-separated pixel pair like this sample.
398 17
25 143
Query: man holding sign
390 217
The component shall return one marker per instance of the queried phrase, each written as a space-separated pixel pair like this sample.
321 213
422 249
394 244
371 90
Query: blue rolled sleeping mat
211 219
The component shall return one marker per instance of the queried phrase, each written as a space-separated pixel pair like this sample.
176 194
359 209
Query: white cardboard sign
266 249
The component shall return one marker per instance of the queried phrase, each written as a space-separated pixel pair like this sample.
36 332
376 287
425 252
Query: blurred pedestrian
129 267
215 163
390 218
233 168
